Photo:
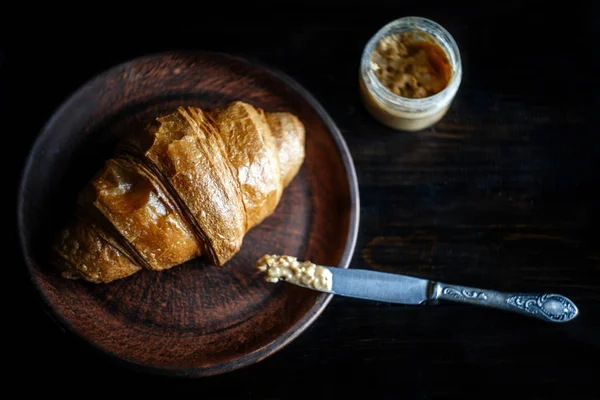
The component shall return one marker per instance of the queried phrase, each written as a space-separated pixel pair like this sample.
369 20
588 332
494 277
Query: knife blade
379 286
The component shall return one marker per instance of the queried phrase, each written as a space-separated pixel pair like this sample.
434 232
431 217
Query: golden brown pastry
190 184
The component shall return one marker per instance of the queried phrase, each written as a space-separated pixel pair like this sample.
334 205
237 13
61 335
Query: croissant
191 183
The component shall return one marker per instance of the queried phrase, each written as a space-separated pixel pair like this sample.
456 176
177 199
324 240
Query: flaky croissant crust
192 183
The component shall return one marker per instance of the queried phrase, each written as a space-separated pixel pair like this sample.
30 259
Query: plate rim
288 335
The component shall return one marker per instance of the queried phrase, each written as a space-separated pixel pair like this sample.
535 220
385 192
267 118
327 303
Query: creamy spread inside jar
410 72
288 268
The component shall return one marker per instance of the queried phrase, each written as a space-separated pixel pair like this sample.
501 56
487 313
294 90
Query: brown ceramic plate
194 319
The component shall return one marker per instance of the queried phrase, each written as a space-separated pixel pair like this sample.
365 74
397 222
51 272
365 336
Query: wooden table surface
502 193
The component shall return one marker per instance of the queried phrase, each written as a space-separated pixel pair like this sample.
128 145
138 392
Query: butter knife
394 288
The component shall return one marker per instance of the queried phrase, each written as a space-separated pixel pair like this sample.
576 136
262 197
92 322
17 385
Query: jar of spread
410 72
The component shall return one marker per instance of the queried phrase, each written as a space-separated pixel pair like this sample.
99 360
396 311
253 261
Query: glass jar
403 113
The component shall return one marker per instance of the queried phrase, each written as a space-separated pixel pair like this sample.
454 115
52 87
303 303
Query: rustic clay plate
193 319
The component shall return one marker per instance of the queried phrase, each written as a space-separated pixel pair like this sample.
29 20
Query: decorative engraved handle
549 307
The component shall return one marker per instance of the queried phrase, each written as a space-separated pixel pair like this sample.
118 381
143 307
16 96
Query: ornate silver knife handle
548 307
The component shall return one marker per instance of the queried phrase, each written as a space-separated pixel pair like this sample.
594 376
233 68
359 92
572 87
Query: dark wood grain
193 319
503 193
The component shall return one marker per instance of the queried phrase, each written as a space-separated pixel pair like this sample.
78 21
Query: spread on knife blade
289 269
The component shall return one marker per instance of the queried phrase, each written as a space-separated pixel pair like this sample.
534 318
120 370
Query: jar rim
441 37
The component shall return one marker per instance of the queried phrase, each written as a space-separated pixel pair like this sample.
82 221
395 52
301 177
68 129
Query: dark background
502 193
